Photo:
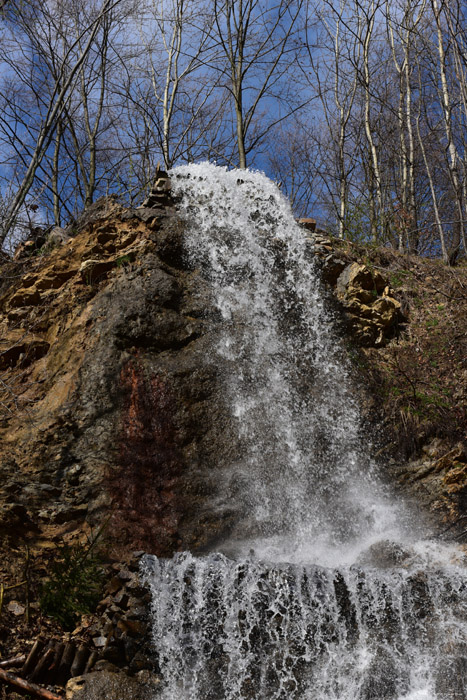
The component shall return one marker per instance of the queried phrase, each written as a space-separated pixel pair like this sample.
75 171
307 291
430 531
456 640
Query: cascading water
321 591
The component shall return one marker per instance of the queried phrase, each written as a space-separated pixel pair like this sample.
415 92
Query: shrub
75 584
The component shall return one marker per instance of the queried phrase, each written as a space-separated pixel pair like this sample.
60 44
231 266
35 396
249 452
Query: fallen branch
31 688
16 661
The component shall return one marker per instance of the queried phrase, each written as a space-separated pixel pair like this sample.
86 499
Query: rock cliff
108 392
405 318
111 412
109 400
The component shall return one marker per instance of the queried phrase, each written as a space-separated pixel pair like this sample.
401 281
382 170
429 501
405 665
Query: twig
8 588
16 661
26 579
31 688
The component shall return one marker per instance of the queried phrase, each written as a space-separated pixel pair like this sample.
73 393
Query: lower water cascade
326 588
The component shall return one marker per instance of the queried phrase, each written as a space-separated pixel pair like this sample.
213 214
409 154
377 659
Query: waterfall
325 588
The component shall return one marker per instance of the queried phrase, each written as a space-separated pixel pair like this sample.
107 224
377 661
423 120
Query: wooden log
33 656
26 687
91 661
65 663
59 647
79 662
14 662
43 665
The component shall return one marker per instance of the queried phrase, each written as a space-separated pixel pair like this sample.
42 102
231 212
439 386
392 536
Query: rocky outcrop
111 413
110 399
109 389
437 479
372 313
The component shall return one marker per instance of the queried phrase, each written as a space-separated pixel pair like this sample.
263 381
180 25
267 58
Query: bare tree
335 78
295 163
176 88
258 48
402 35
26 15
447 107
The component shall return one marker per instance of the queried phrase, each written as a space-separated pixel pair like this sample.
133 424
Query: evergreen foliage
75 584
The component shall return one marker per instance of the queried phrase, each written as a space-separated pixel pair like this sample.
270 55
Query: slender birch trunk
453 156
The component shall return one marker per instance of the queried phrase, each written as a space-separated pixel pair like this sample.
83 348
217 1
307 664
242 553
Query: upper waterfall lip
382 555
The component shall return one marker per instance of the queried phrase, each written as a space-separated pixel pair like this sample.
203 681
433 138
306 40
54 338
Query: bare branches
257 43
70 66
371 94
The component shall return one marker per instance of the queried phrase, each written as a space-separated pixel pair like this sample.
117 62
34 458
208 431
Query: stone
121 598
100 641
134 628
356 277
25 297
57 236
385 555
136 610
108 685
331 269
308 223
16 608
92 271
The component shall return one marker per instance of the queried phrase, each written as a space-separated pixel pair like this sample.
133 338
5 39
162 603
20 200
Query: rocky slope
405 319
111 414
108 392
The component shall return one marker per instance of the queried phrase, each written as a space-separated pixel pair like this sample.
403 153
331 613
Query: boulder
358 277
103 685
57 236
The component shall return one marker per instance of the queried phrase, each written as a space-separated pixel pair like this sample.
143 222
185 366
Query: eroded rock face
371 311
437 478
112 390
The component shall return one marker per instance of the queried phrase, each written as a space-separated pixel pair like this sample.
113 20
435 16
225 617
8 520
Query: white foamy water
310 597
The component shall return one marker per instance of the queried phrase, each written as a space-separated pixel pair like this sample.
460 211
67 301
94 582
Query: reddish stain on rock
146 487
